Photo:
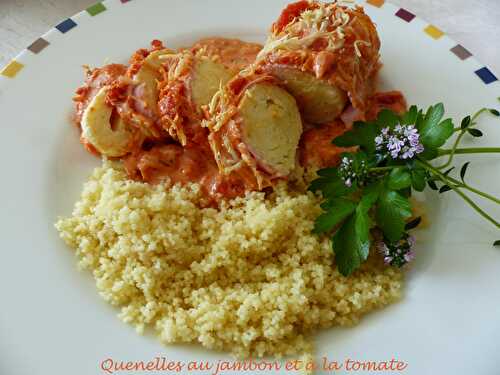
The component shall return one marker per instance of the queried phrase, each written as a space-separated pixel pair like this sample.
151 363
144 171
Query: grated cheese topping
327 21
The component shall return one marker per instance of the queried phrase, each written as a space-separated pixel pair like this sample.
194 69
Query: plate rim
16 64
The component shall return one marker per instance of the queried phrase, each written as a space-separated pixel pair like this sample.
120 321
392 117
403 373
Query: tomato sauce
173 164
316 148
163 160
235 54
96 79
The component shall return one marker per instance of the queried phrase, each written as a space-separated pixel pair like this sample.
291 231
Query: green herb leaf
447 172
435 134
496 243
371 194
465 122
463 171
399 178
475 132
429 154
363 135
418 179
328 172
410 117
444 189
339 209
351 243
494 112
392 211
332 186
434 114
432 185
387 118
413 224
420 119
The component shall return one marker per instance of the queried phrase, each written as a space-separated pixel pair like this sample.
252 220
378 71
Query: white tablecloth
473 23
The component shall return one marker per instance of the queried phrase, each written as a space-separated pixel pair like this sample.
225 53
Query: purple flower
402 142
398 254
351 171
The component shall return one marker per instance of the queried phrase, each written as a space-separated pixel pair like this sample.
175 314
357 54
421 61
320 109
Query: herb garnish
366 198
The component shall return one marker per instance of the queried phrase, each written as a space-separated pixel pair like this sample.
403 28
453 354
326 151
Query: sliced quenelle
136 95
320 101
105 132
116 108
95 80
324 53
255 127
189 85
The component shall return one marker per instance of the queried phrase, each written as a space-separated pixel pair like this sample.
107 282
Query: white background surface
473 23
52 322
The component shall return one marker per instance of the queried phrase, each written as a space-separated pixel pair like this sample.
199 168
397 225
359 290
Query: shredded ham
177 116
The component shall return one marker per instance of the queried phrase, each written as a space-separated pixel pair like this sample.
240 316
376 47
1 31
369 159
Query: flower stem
457 190
472 150
462 132
453 150
478 113
470 188
476 207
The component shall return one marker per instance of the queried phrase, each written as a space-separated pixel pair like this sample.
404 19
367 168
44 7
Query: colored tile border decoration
14 67
38 45
96 9
405 15
486 75
11 69
433 32
66 25
376 3
461 52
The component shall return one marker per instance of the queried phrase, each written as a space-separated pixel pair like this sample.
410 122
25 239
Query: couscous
249 277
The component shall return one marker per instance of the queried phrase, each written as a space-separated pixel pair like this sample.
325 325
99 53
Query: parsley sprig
366 198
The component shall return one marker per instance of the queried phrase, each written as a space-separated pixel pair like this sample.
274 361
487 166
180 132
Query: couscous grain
249 277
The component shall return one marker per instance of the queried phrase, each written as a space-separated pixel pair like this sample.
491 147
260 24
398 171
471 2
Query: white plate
51 318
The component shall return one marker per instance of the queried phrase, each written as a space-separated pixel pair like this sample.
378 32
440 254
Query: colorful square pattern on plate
11 69
461 52
66 25
486 75
405 15
434 32
95 9
38 45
